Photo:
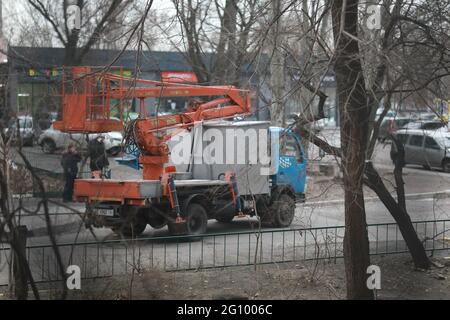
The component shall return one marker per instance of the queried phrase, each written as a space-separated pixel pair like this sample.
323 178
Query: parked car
391 125
425 116
51 140
430 149
389 114
26 129
425 125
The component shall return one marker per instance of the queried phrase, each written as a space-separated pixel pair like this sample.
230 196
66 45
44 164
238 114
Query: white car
51 140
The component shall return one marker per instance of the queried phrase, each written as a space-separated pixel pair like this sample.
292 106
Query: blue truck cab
291 163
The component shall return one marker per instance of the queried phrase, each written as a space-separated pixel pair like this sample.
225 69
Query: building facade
35 76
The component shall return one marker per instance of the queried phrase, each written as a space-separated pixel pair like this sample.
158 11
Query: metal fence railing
120 257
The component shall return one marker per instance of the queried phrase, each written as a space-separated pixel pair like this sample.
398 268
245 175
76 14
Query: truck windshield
290 148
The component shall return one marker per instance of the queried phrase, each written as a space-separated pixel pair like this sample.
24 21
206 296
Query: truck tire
129 230
283 211
226 214
134 224
196 221
157 221
225 219
264 213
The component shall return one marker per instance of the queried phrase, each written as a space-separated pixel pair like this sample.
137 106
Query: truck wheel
157 221
226 214
134 224
196 222
264 213
130 229
283 211
225 219
196 219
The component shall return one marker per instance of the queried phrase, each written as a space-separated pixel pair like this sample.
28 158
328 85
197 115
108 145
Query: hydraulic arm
89 98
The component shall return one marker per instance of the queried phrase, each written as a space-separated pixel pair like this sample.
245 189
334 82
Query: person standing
69 162
97 153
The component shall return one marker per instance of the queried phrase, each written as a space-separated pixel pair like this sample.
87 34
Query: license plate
106 212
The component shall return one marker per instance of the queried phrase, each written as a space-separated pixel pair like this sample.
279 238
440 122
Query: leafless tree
97 20
229 40
369 72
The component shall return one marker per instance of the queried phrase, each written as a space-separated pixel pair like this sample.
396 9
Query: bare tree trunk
354 113
277 112
226 49
398 209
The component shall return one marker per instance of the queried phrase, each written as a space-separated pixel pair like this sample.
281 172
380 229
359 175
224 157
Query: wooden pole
19 263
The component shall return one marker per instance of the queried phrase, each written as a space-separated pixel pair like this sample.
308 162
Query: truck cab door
292 163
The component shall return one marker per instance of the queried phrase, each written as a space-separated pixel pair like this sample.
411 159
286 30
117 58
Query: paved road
317 214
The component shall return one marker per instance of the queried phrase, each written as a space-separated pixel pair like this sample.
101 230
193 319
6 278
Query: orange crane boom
88 98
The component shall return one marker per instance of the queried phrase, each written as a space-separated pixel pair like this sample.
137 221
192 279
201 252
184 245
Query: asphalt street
421 186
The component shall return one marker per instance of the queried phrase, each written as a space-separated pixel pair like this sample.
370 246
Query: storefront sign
43 73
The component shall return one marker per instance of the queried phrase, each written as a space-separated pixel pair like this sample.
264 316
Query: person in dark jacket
99 160
69 162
